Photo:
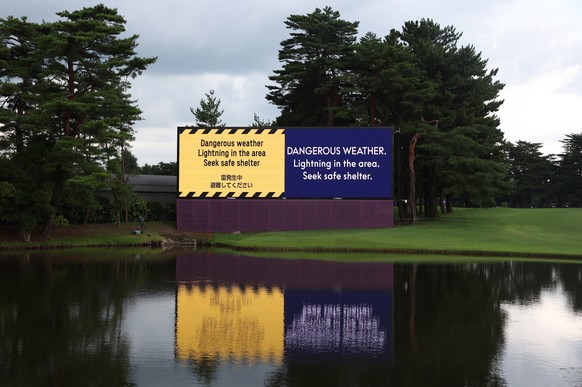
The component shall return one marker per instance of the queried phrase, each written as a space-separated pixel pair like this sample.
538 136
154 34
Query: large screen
285 163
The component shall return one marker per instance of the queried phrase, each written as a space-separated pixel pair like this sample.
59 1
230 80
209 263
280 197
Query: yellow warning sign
231 162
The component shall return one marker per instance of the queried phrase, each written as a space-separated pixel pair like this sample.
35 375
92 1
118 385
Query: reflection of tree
206 369
523 282
457 317
448 326
459 327
329 372
571 276
61 324
520 282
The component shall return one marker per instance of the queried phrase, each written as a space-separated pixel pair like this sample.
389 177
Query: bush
161 212
60 220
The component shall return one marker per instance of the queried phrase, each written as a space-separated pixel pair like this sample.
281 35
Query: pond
214 318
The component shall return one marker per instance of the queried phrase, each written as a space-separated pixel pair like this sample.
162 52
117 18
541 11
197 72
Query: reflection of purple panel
193 268
231 269
277 215
311 274
225 268
292 215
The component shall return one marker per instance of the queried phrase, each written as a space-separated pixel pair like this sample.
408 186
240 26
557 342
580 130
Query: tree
312 84
531 175
161 168
65 89
29 191
570 171
258 122
122 193
83 192
20 63
439 96
129 161
391 89
463 155
208 113
388 85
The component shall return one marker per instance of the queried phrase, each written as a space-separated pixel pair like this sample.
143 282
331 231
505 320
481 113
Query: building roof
153 183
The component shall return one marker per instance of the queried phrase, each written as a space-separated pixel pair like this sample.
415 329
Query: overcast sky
231 46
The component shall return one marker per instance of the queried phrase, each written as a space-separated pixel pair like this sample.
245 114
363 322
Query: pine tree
462 155
208 113
313 83
65 90
570 171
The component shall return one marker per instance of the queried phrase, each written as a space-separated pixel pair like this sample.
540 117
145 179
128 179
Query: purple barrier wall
224 215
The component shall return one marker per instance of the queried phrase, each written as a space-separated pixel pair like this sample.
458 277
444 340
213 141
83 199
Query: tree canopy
66 110
313 83
419 80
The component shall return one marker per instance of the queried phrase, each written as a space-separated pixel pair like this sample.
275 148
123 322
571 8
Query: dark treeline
538 180
66 115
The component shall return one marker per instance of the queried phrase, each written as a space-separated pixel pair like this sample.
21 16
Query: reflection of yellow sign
242 324
224 162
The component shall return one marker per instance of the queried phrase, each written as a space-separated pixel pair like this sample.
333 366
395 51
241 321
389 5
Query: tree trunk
24 232
372 110
330 113
449 205
398 179
86 215
71 86
443 202
48 226
19 132
402 210
431 195
412 192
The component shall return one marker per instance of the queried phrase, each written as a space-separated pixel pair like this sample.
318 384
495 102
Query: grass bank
555 232
507 232
90 235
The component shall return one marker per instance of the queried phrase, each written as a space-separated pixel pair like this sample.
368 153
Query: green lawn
555 231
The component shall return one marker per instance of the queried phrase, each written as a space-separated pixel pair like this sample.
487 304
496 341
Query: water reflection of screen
240 324
345 324
261 308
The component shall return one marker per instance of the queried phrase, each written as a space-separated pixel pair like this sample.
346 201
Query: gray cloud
232 46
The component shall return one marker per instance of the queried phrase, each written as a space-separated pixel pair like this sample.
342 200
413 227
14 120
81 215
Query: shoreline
203 243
